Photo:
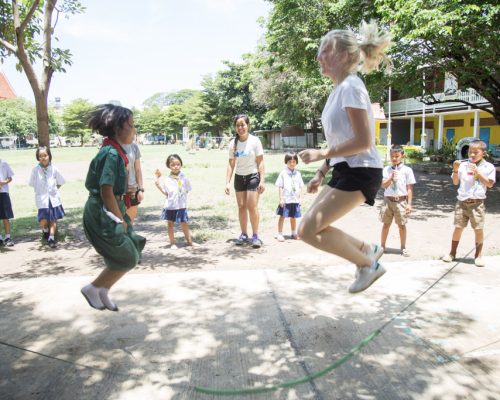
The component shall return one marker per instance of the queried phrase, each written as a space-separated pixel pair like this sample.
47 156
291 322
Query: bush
414 152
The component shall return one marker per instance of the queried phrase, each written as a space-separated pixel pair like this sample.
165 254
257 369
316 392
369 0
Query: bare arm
229 173
260 167
409 208
138 178
361 141
157 182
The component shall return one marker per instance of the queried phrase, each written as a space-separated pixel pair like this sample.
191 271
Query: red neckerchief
111 142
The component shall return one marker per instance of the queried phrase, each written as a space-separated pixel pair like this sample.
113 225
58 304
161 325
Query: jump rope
284 385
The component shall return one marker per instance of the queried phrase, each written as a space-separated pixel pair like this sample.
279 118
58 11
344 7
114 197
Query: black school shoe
8 242
52 243
1 242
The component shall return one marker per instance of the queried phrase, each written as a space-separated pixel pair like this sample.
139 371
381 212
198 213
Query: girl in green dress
106 224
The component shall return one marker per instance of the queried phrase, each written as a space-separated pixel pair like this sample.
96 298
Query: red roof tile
6 91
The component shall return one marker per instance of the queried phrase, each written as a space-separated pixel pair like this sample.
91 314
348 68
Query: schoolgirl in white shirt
46 180
175 188
6 212
289 184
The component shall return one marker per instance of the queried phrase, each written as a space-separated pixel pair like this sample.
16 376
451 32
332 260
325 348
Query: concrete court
245 328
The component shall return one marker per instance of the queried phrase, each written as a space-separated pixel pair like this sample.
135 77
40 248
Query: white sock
7 236
45 230
294 232
1 237
103 294
91 293
51 237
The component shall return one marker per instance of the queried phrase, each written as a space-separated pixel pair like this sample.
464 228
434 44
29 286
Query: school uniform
471 195
5 203
45 182
291 182
175 206
396 194
121 250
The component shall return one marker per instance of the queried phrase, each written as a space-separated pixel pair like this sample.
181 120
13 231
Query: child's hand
408 209
157 173
456 164
282 203
227 190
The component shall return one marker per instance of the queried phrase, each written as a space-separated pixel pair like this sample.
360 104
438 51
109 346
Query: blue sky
128 50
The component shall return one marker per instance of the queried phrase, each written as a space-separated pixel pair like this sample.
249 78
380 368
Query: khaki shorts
394 209
474 211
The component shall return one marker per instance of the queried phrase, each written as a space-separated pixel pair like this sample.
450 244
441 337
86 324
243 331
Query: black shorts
367 180
246 183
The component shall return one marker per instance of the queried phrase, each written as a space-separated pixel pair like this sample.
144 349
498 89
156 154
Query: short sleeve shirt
405 178
107 168
470 186
291 182
5 173
350 93
133 154
176 190
246 155
45 181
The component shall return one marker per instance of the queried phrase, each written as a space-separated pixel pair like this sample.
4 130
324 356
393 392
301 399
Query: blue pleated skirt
180 215
291 210
51 213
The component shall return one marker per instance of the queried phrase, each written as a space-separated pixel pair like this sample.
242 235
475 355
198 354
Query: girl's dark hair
236 137
291 156
173 157
106 119
43 148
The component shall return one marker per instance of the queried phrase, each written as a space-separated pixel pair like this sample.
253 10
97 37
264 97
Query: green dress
121 250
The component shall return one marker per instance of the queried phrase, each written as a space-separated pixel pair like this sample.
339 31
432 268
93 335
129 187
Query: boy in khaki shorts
398 181
475 176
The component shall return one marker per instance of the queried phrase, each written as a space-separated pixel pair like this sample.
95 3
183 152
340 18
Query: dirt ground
429 236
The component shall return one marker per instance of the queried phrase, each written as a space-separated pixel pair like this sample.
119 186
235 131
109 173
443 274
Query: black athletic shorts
246 183
348 179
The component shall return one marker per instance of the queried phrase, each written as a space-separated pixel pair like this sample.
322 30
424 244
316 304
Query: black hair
291 156
46 149
397 148
235 120
106 119
172 157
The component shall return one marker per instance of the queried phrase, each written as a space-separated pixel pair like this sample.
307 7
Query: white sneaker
366 276
280 237
375 253
479 262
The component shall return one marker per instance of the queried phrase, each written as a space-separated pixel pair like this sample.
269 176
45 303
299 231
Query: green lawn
211 211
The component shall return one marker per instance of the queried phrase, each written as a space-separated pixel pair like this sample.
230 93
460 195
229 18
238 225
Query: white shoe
280 237
479 262
375 253
366 276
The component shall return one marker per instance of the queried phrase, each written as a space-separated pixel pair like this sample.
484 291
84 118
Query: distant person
246 159
175 188
397 181
474 176
135 190
6 213
289 184
105 221
46 180
349 127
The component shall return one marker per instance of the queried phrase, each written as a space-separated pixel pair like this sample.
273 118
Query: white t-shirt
133 153
291 182
177 190
405 177
351 92
473 188
5 173
45 182
246 155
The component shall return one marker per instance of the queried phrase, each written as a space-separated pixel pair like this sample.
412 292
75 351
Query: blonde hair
365 55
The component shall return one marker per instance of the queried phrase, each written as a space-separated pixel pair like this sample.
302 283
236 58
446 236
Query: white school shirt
45 182
473 188
5 173
291 182
177 190
405 177
351 92
246 154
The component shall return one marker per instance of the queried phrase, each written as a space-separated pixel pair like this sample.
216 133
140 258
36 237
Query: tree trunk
42 119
